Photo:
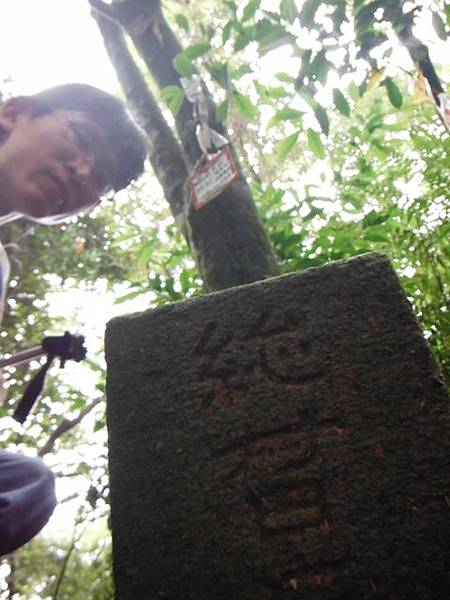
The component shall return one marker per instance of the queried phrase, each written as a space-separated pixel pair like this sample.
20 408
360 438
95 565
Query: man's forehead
79 117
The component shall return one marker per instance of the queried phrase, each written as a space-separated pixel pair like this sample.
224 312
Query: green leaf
244 38
207 31
322 117
394 94
263 92
307 97
375 122
173 95
339 16
182 22
341 103
222 111
275 37
319 67
285 78
240 71
439 26
169 91
183 61
80 402
364 15
308 11
268 94
355 201
145 253
271 16
277 92
250 10
380 149
227 30
285 114
314 212
124 237
375 218
354 91
288 10
244 105
362 88
219 72
100 424
84 468
232 6
315 144
375 236
196 50
360 182
183 65
130 296
286 145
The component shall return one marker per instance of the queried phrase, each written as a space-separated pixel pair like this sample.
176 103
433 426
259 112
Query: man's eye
82 139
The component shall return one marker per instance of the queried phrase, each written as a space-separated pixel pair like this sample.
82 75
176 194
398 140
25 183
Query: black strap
34 388
65 347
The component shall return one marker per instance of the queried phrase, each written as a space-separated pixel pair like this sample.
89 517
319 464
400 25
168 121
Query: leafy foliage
85 560
383 184
341 162
389 193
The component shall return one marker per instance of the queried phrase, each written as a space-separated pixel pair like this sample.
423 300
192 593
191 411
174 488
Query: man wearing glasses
61 150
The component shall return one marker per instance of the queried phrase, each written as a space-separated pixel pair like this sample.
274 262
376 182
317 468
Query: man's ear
14 111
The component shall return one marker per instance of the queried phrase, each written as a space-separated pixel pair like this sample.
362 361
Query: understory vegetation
345 152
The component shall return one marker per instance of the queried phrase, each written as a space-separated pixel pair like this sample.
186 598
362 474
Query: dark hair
126 140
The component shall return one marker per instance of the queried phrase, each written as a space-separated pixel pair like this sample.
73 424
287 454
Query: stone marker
286 439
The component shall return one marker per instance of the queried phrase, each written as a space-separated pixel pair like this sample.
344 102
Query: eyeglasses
92 143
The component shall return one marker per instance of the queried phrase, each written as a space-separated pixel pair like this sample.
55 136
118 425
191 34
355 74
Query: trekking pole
65 347
23 357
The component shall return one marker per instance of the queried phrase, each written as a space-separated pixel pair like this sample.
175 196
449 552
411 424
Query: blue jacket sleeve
27 499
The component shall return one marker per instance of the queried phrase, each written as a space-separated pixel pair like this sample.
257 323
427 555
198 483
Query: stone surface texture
282 440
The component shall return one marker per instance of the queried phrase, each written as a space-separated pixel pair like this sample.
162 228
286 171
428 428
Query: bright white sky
48 42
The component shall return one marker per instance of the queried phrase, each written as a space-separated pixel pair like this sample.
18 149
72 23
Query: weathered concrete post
287 439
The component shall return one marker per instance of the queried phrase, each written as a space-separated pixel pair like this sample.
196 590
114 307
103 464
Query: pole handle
22 357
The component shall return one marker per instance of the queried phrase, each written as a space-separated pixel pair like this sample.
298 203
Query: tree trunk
165 154
227 239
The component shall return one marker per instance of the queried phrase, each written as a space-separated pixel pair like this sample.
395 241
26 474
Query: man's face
51 166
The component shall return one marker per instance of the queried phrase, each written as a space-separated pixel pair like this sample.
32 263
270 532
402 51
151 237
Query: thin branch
421 58
229 245
71 548
437 276
418 51
145 24
66 425
245 158
62 572
165 152
106 10
69 498
133 15
11 577
155 41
